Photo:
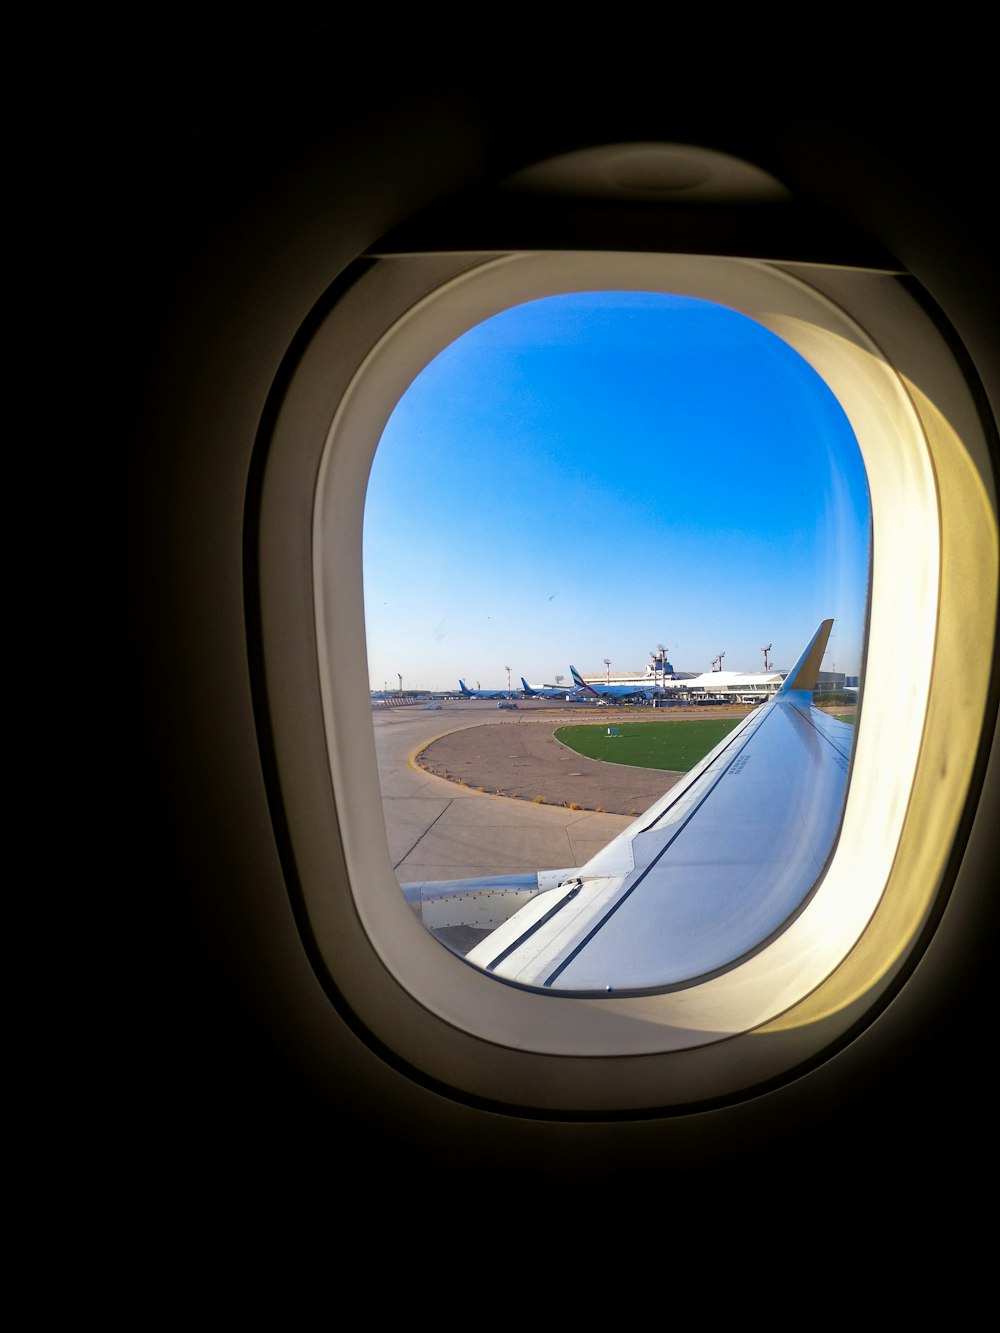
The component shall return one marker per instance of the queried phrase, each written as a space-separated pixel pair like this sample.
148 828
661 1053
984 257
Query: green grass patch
842 714
676 746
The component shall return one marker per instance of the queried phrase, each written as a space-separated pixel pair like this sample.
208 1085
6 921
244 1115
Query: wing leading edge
706 876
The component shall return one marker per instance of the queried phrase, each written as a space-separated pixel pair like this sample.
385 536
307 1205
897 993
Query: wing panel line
806 713
741 733
535 925
623 898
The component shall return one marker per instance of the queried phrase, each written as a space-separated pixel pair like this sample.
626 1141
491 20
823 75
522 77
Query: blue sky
588 476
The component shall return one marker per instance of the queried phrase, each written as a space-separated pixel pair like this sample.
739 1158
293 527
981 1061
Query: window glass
650 489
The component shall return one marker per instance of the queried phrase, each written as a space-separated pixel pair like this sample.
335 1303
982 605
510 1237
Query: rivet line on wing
535 926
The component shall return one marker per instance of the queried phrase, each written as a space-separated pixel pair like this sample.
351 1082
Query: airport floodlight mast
507 669
765 651
607 673
400 682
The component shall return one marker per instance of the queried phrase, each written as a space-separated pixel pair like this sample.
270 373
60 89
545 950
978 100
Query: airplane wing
708 875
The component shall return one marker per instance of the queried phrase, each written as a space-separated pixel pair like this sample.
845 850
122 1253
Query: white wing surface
708 875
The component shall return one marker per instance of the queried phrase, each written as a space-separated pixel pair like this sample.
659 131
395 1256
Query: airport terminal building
745 687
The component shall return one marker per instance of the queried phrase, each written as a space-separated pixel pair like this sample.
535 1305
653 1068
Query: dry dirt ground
521 758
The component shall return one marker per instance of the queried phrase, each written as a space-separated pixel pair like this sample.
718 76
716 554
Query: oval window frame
934 518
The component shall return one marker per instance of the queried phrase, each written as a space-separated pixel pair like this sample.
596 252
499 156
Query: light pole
607 673
507 669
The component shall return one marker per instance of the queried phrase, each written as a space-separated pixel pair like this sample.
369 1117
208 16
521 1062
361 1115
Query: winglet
804 673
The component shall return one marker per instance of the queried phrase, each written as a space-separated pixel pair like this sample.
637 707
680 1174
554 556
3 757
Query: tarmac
521 759
469 790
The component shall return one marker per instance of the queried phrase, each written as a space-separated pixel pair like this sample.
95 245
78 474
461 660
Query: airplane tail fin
579 681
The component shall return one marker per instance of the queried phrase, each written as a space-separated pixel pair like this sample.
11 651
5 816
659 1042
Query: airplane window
659 493
615 542
581 526
873 369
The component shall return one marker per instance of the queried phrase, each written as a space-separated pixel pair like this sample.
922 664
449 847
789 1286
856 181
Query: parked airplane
722 864
605 692
485 694
546 691
278 1023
